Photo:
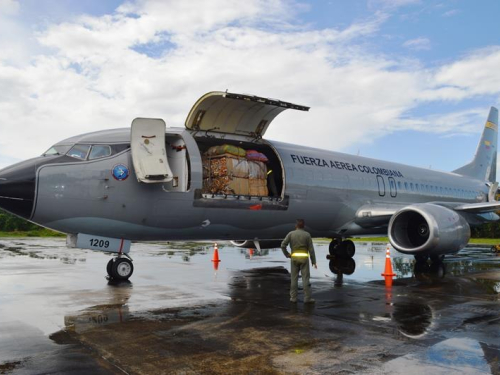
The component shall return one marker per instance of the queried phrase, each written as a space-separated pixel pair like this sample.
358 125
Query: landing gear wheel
437 258
349 249
349 267
421 258
109 266
421 268
333 248
346 266
122 269
438 270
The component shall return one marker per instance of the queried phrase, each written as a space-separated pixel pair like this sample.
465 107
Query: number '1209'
99 243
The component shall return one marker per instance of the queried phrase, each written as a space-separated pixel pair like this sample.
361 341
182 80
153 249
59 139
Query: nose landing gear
120 268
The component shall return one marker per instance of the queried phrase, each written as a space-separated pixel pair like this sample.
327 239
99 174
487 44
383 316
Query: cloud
392 4
156 58
451 13
9 7
449 124
418 44
476 74
15 42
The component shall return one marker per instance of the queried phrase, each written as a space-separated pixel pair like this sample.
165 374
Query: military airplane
156 183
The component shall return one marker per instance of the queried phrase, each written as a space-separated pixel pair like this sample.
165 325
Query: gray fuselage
327 189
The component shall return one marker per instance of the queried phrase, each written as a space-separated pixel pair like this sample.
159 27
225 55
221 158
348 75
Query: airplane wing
375 215
479 208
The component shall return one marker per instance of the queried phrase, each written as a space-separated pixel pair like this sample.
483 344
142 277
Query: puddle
413 319
456 355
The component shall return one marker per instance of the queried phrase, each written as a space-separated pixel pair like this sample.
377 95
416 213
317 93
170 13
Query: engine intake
428 229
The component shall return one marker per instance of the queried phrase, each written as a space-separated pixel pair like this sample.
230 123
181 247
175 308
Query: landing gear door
149 154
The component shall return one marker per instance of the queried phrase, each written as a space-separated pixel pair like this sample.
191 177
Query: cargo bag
226 185
256 156
226 149
258 187
257 170
225 165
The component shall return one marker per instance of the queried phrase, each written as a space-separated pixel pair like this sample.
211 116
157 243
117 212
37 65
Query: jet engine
264 244
428 229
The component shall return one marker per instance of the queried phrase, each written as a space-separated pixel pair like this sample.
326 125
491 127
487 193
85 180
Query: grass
33 233
370 239
49 233
485 241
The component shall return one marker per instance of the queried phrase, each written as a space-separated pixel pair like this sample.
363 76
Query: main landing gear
341 262
120 268
344 249
425 271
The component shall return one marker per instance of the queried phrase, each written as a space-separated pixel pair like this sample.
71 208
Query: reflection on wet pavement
457 356
177 315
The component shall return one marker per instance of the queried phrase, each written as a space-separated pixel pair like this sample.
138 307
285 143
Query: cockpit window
79 151
57 150
99 151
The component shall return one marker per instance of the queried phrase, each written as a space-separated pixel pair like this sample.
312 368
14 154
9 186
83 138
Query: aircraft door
148 151
381 186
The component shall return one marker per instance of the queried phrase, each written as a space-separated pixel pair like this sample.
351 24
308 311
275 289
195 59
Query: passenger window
99 151
399 185
411 186
79 151
406 185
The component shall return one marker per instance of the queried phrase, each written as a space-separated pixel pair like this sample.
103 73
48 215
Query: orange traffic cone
216 266
250 253
216 254
389 305
388 274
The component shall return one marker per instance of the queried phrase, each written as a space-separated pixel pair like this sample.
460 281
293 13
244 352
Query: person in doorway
301 244
271 184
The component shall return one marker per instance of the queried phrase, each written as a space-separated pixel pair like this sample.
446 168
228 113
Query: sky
402 80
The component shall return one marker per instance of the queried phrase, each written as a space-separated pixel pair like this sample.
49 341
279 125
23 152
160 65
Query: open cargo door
226 112
148 151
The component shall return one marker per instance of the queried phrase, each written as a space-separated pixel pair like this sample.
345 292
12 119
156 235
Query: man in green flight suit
302 248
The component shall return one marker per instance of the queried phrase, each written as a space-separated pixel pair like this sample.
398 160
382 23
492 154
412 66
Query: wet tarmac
59 314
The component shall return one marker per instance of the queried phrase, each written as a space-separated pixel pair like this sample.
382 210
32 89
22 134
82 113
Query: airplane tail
484 165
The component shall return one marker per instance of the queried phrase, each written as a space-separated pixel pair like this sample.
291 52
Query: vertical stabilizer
484 165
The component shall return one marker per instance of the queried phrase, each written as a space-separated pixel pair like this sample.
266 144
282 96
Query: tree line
11 223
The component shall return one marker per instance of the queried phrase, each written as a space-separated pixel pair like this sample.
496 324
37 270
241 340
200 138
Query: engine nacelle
428 229
264 244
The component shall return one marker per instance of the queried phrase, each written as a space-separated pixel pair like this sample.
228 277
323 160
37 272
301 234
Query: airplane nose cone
17 188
